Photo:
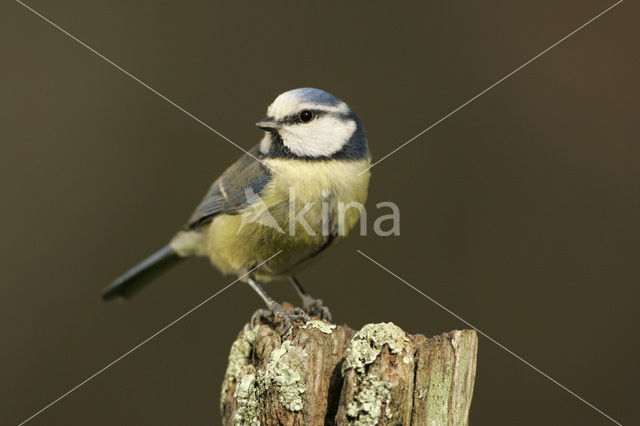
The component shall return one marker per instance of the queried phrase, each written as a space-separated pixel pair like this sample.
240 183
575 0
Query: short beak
268 124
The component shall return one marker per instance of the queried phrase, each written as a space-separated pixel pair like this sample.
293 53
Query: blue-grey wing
233 191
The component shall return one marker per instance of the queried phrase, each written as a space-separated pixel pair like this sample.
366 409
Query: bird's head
312 124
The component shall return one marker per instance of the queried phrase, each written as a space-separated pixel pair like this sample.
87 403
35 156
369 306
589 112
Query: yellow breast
312 192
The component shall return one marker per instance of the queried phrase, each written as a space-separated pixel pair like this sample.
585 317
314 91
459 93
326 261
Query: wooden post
325 374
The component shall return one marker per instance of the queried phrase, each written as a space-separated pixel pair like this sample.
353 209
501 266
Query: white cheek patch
321 137
265 143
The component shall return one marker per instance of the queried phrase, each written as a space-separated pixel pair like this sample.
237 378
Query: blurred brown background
519 213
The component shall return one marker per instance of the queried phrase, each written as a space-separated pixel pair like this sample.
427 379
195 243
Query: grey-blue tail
135 278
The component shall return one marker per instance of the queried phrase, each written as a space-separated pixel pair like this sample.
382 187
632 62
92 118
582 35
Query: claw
299 313
315 308
276 310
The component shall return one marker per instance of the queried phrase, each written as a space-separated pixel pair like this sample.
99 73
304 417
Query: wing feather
228 194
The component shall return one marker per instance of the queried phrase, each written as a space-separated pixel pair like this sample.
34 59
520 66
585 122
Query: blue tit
280 205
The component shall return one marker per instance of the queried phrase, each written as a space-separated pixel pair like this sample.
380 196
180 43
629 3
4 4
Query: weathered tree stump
324 374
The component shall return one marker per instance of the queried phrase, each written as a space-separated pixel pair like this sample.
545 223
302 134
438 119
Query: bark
324 374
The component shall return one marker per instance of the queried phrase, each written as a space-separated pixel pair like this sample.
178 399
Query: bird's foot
316 308
274 311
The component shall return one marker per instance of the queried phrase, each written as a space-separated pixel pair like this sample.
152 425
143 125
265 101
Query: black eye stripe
355 149
295 118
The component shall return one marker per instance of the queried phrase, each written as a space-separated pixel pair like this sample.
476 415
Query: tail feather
135 278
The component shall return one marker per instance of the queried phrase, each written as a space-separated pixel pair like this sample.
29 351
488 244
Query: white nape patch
265 143
321 137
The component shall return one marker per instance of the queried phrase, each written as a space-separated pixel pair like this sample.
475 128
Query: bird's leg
274 308
312 306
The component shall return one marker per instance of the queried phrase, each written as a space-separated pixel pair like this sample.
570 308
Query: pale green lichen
320 325
239 357
247 411
281 372
366 406
367 344
371 393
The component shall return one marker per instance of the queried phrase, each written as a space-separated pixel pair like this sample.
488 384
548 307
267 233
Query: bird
279 206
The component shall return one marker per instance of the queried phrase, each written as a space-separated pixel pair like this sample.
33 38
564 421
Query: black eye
305 116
